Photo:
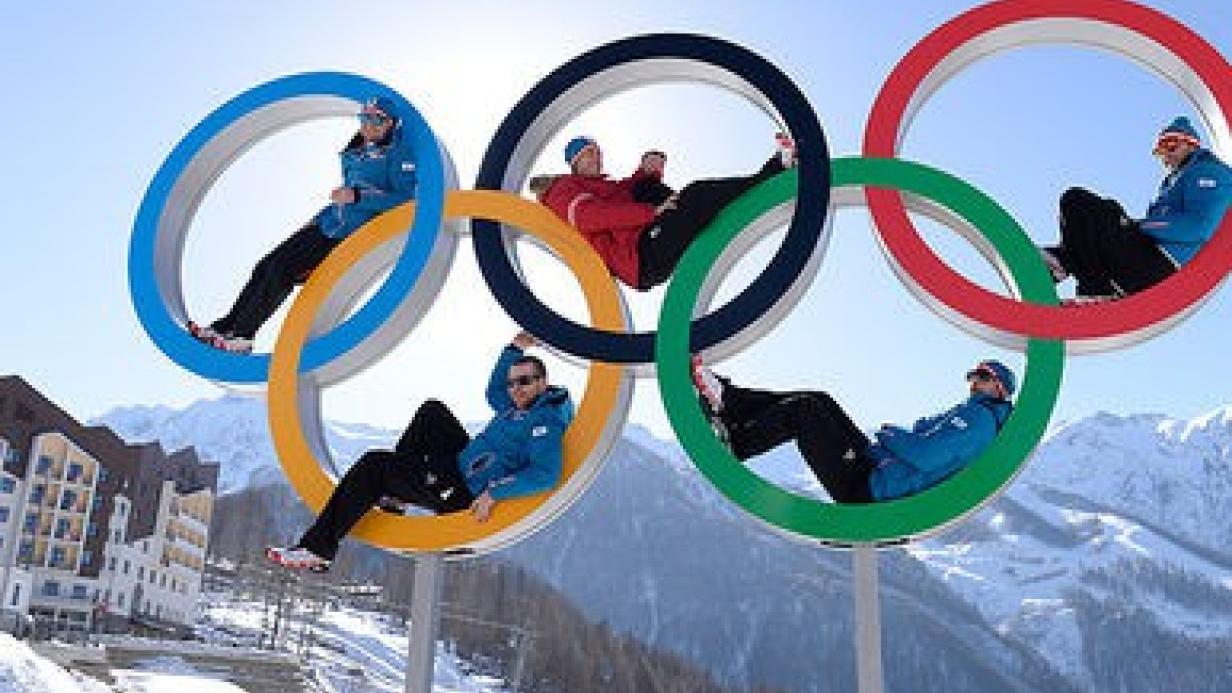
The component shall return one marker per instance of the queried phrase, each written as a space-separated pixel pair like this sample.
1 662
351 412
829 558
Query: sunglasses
374 118
521 380
983 375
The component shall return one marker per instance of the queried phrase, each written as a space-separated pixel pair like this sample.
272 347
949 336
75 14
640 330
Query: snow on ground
169 674
24 671
353 650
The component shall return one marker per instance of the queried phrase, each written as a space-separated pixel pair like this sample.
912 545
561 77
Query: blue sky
99 95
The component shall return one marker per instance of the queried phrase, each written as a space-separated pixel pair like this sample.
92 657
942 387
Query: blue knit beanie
575 147
1180 126
384 104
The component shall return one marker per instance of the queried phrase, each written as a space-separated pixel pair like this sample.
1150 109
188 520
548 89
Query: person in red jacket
638 225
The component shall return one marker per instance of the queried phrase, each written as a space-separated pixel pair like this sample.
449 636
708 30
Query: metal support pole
425 618
869 675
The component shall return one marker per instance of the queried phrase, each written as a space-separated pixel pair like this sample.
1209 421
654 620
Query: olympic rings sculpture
318 347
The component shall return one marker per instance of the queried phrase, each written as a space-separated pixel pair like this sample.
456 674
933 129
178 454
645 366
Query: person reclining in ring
378 174
436 465
853 469
1111 255
639 225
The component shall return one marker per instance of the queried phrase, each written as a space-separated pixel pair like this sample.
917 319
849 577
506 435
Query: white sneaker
235 345
787 149
1079 301
1054 265
203 333
708 385
297 558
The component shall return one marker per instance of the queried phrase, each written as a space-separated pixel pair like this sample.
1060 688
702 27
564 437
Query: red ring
1193 282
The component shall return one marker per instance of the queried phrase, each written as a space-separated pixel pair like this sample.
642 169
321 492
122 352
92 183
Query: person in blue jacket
897 462
436 465
1111 255
378 173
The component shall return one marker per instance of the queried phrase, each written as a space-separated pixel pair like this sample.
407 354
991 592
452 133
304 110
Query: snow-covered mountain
1104 567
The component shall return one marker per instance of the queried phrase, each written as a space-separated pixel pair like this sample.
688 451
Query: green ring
885 522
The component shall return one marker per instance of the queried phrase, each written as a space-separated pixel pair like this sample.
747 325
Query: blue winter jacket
519 452
383 176
935 447
1190 204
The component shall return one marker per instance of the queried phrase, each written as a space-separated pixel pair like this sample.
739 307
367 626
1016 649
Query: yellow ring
456 531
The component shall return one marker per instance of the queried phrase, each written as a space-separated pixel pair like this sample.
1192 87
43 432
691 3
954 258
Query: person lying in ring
436 465
899 461
1111 255
639 225
378 174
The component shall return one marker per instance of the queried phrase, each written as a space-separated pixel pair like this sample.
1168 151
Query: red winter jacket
604 212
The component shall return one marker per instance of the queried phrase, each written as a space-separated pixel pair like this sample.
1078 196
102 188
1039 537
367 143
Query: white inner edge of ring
1083 32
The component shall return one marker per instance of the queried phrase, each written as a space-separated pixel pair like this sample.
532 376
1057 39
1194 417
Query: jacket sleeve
950 445
545 453
1205 198
591 215
498 393
926 422
637 175
403 179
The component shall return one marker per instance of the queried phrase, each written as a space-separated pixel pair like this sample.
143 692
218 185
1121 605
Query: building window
7 484
4 514
116 536
51 588
140 572
126 566
97 503
120 600
57 555
26 553
16 594
76 472
30 523
67 499
61 528
162 582
92 530
87 557
81 592
111 564
152 576
36 495
43 464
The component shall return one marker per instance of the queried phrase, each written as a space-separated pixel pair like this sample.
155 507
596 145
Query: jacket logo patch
959 422
1206 183
408 166
539 431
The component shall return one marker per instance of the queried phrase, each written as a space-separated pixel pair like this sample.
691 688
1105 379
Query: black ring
758 298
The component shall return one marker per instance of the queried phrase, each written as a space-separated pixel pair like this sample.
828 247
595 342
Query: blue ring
173 339
758 298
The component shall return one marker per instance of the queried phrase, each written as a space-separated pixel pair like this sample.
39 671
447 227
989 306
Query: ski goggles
1171 141
371 118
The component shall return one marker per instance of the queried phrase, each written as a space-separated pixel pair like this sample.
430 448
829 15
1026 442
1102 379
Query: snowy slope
353 651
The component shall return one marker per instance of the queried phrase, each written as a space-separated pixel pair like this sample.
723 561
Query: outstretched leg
273 279
831 444
661 246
